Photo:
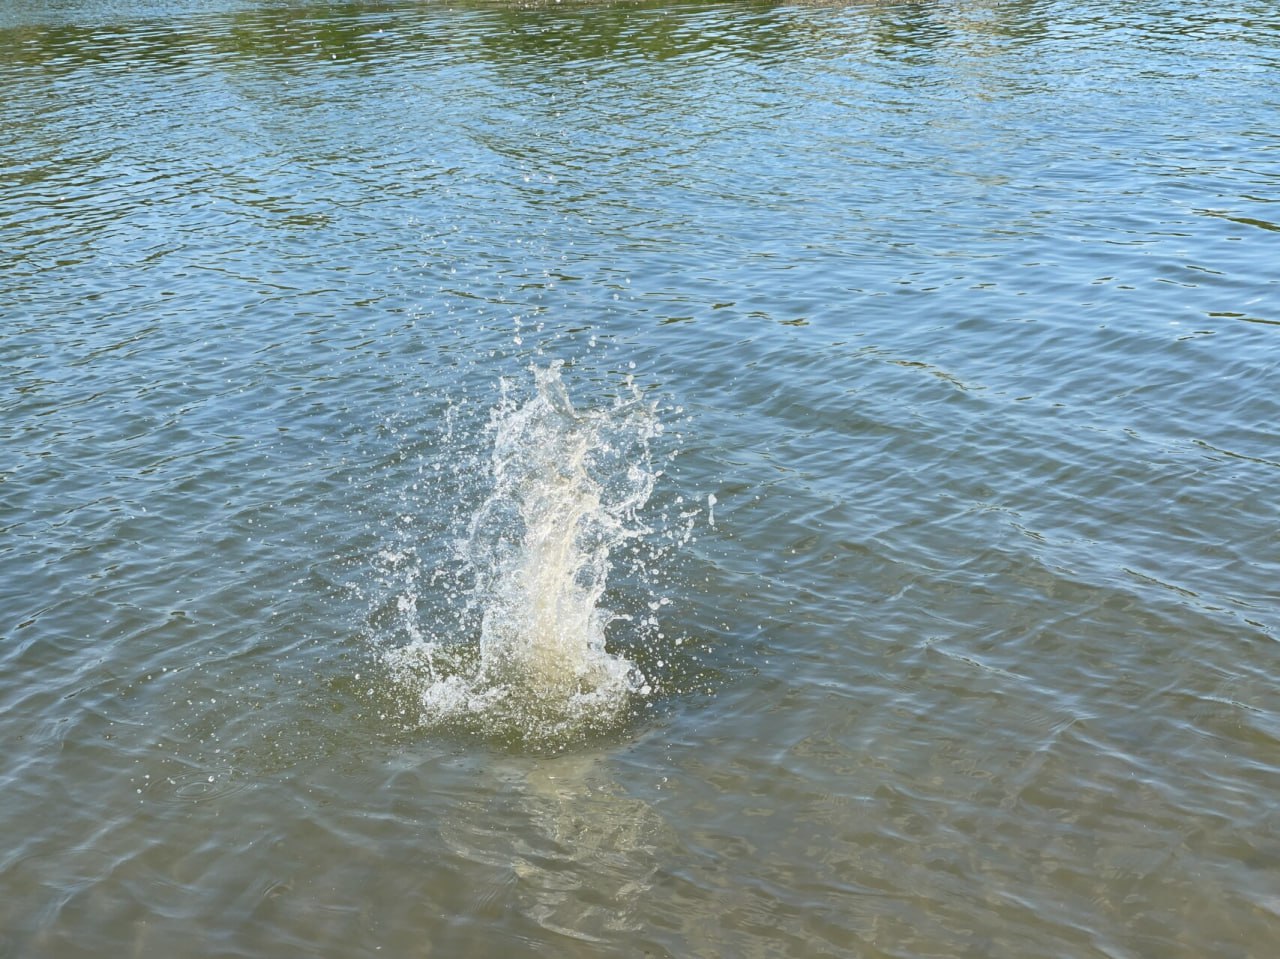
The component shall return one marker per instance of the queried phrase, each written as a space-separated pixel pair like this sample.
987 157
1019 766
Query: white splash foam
567 489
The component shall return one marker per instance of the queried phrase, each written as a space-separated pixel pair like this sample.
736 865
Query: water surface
951 595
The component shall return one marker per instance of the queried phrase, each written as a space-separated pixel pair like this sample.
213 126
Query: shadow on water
485 31
556 33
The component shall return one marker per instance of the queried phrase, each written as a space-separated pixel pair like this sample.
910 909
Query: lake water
669 480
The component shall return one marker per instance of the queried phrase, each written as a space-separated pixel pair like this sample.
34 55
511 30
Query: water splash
567 488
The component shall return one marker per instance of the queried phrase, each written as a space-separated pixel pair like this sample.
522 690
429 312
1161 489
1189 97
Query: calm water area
640 480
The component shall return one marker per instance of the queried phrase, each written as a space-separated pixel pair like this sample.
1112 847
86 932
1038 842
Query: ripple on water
971 312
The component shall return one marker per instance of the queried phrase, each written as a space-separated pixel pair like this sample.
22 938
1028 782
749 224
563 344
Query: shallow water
955 592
